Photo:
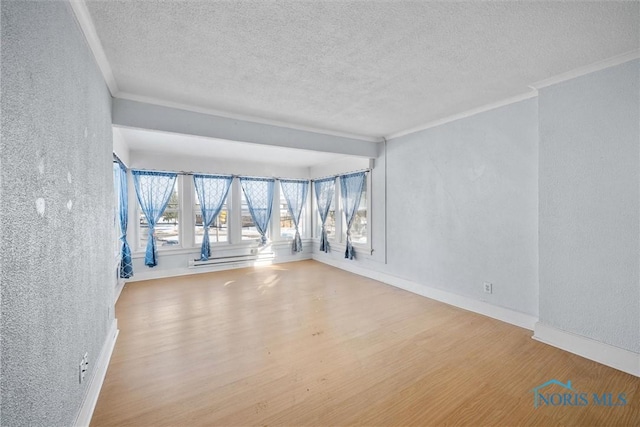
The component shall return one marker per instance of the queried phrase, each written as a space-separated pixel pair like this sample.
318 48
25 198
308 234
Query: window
330 224
219 229
360 226
249 230
116 207
180 225
336 226
167 228
287 227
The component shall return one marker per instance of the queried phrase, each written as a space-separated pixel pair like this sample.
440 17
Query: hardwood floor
307 344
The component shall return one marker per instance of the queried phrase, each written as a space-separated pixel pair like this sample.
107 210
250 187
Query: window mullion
235 213
338 211
133 231
369 210
305 218
186 215
312 213
274 225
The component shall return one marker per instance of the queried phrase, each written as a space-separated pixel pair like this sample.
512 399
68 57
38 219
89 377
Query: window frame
116 211
138 247
341 224
365 246
318 223
187 219
269 226
276 218
196 210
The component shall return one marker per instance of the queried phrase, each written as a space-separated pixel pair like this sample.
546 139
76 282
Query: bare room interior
321 213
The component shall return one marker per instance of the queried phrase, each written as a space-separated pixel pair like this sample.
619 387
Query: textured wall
462 206
589 206
57 229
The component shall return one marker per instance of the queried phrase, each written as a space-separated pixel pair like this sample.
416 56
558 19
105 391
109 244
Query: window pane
359 228
330 224
249 230
166 230
218 230
144 230
287 228
116 206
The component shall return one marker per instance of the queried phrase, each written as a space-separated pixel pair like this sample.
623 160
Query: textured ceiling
366 68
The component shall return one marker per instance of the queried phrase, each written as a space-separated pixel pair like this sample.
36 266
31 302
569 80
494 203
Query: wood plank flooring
304 344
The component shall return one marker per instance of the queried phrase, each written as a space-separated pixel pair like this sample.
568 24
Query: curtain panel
325 189
259 194
120 177
351 190
295 193
212 191
153 190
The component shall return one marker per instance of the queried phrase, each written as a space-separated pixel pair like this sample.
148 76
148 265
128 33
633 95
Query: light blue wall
57 266
590 206
462 206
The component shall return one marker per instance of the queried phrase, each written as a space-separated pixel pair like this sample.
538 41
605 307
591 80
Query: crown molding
577 72
83 17
465 114
596 66
243 117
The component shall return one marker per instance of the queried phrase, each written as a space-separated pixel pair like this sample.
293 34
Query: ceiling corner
590 68
83 17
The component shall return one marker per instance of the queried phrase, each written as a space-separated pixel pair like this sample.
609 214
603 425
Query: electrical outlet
84 366
488 288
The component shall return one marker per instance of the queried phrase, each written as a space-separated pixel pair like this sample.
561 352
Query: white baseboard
118 290
500 313
615 357
153 273
95 385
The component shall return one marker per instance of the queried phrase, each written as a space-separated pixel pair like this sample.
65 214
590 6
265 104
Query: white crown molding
246 118
88 28
596 66
465 114
615 357
83 17
513 317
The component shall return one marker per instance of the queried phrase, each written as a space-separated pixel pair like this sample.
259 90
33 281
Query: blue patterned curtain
351 188
153 190
325 189
212 192
295 193
259 193
120 177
